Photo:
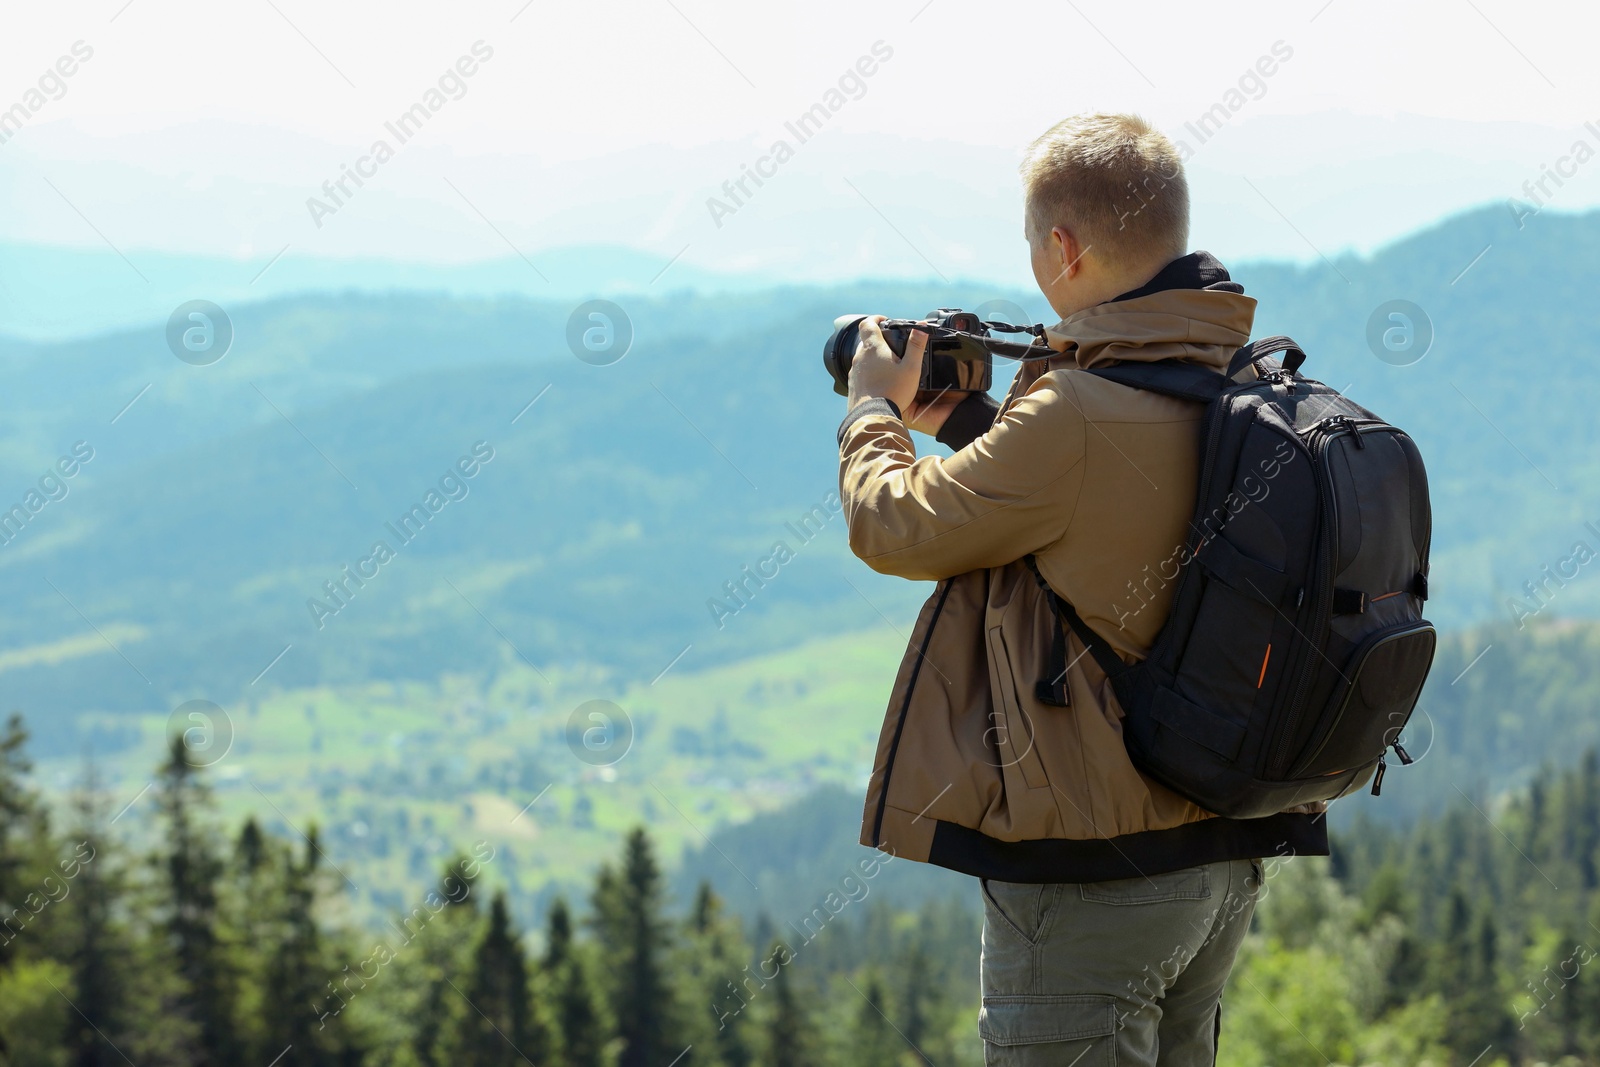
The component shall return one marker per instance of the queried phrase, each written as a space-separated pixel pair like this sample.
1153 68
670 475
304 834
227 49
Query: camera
959 356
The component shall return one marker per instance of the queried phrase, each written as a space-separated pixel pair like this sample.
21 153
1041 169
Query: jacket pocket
1011 734
1079 1030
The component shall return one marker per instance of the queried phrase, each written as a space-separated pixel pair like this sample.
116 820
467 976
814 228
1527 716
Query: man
1114 906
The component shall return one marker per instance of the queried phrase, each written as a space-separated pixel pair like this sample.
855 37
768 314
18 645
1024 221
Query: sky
206 129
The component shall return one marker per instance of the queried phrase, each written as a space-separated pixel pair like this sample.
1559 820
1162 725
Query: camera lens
840 349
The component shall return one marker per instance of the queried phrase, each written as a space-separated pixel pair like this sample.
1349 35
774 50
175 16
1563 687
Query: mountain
189 554
51 293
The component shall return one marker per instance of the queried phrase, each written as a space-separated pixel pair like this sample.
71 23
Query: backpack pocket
1229 656
1372 700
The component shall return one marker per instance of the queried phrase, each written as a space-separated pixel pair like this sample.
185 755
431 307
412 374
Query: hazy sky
200 127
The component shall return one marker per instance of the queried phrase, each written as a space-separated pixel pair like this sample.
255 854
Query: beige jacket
1098 481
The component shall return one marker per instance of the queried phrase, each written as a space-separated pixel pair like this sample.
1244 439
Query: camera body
959 356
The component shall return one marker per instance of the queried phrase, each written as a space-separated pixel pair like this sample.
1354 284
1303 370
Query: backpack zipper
1313 616
1213 435
1320 436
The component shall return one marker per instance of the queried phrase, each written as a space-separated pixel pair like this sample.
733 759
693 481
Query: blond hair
1115 182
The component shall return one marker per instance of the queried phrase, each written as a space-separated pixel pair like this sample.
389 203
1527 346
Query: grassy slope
397 776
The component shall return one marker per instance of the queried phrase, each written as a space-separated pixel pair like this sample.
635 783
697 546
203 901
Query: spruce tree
97 950
438 949
18 814
297 972
789 1039
1585 818
582 1032
873 1042
17 807
915 1006
713 954
204 1004
1464 972
504 1029
250 848
636 943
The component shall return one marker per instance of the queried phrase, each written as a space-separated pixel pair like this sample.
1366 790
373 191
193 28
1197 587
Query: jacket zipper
905 708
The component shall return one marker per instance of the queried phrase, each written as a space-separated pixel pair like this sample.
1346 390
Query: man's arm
1006 493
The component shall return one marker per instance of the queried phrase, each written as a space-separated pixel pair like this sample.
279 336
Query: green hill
622 502
749 773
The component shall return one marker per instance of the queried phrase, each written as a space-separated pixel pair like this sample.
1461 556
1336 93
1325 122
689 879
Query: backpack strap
1256 351
1169 377
1192 381
1053 690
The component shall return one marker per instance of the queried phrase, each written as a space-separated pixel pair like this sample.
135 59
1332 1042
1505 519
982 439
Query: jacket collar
1191 310
1197 270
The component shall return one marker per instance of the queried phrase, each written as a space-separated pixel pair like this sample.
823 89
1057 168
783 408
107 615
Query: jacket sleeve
1012 491
968 421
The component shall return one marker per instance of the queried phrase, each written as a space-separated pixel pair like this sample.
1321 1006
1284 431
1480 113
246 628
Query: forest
1466 938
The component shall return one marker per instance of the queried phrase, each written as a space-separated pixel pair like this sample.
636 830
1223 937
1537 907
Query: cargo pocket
1055 1030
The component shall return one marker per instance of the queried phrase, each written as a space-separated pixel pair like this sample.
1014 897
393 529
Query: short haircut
1115 181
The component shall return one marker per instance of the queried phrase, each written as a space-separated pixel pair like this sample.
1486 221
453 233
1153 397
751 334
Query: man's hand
928 412
877 371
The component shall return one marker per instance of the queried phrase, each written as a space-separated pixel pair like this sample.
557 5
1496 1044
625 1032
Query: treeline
1497 913
1467 939
209 949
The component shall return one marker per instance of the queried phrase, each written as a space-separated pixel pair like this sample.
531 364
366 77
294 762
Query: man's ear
1067 248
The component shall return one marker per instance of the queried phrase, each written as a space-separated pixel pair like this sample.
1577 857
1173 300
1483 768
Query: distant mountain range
936 201
221 499
49 293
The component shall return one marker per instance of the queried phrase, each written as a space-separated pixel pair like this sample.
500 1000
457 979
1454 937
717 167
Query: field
398 777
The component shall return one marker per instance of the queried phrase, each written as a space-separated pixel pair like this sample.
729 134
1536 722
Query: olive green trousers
1128 972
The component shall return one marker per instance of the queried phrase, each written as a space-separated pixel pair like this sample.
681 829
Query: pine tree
1465 973
254 871
504 1028
297 973
1493 1022
578 1022
434 947
1584 785
917 1001
873 1042
636 942
98 950
713 951
250 848
17 808
205 1001
789 1038
1587 990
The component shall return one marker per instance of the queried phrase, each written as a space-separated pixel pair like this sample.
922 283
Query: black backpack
1296 648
